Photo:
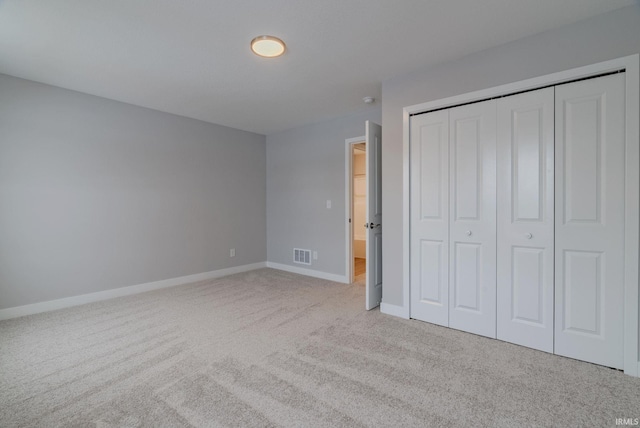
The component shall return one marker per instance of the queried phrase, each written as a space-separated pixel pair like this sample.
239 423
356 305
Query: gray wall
305 167
97 194
604 37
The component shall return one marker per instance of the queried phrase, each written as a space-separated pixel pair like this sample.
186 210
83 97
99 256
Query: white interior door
430 217
373 139
590 171
472 226
525 153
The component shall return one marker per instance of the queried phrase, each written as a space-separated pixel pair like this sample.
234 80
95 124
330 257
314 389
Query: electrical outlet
315 255
232 252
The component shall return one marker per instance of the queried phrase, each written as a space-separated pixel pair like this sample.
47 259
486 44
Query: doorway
356 200
363 186
359 210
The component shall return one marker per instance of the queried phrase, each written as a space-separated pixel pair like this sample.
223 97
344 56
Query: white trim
406 207
309 272
525 85
67 302
631 215
348 187
395 310
632 178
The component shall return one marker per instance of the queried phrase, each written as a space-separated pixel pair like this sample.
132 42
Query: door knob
528 236
366 225
468 233
374 226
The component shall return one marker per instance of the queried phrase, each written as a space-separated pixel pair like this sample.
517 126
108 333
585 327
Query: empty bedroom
304 214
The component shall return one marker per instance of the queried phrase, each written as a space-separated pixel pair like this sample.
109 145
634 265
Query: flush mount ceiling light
267 46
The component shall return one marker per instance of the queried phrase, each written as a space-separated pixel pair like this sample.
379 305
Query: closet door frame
631 66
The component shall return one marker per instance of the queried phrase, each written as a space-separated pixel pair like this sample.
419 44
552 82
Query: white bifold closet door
472 218
453 218
525 153
589 221
430 217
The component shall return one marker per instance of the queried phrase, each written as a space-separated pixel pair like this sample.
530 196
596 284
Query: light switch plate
328 204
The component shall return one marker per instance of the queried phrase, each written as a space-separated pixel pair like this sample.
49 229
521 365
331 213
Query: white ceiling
192 57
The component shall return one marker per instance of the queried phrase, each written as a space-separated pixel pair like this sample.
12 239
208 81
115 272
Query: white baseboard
395 310
309 272
66 302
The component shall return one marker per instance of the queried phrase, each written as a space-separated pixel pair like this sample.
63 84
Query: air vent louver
302 256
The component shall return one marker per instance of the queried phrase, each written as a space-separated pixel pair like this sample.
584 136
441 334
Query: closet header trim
519 92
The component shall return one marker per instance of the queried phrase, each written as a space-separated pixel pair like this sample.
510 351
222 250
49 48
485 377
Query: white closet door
590 172
472 227
430 217
525 219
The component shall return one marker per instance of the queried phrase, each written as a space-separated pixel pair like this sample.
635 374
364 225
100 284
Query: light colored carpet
269 348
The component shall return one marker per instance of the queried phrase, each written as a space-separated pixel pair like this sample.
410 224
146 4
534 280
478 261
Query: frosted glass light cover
267 46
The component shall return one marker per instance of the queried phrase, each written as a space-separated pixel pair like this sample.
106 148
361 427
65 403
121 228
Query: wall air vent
302 256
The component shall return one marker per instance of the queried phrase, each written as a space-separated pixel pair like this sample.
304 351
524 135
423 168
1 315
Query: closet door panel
429 264
590 150
472 247
525 153
467 287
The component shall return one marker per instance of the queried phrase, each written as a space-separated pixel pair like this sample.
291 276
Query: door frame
631 66
348 202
